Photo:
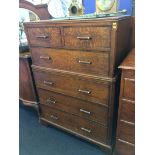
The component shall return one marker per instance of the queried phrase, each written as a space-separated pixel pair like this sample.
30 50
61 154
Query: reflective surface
25 16
104 5
59 8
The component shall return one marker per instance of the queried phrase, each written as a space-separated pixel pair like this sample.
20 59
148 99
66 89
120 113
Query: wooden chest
125 144
75 69
27 90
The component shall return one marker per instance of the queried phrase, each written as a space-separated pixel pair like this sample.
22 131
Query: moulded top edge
78 20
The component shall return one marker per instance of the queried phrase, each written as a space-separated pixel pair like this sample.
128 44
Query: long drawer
96 63
88 37
87 89
129 89
123 148
72 105
127 132
82 126
127 110
45 37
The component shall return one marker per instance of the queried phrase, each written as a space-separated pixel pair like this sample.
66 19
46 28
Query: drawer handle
50 101
84 111
84 62
83 38
43 57
87 130
84 91
54 117
48 83
42 36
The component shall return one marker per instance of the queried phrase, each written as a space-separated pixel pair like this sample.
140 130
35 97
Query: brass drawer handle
42 36
50 101
87 130
83 38
43 57
54 117
84 91
84 111
84 62
48 83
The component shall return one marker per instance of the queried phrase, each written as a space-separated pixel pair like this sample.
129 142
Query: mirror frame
40 10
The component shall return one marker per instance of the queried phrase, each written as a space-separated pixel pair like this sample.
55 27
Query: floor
36 139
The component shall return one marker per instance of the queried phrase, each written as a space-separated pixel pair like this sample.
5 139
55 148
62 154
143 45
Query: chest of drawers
74 66
27 91
125 144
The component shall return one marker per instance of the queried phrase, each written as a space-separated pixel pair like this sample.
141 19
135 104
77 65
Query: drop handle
84 91
54 117
84 38
42 36
85 111
50 101
87 130
84 62
48 83
45 57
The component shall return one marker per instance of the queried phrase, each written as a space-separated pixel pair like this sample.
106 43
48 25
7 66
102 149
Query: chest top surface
129 61
74 21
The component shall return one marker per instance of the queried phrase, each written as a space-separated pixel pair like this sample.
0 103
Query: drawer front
124 148
87 89
96 63
44 37
127 111
72 105
127 132
82 126
129 88
88 37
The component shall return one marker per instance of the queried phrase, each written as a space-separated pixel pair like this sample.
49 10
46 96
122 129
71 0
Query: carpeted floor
36 139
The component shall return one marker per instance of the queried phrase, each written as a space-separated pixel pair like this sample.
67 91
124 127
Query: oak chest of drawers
75 69
125 144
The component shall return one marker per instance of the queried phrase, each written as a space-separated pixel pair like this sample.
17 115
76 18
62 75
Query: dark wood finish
40 10
89 110
132 44
129 89
128 110
125 144
79 72
86 62
26 83
125 148
127 131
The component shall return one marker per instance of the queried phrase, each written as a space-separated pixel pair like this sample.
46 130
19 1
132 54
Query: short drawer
87 89
127 132
123 148
92 38
82 126
129 88
127 110
96 63
44 37
75 106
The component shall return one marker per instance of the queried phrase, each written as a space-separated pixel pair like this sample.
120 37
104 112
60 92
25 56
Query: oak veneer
125 143
75 68
27 90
